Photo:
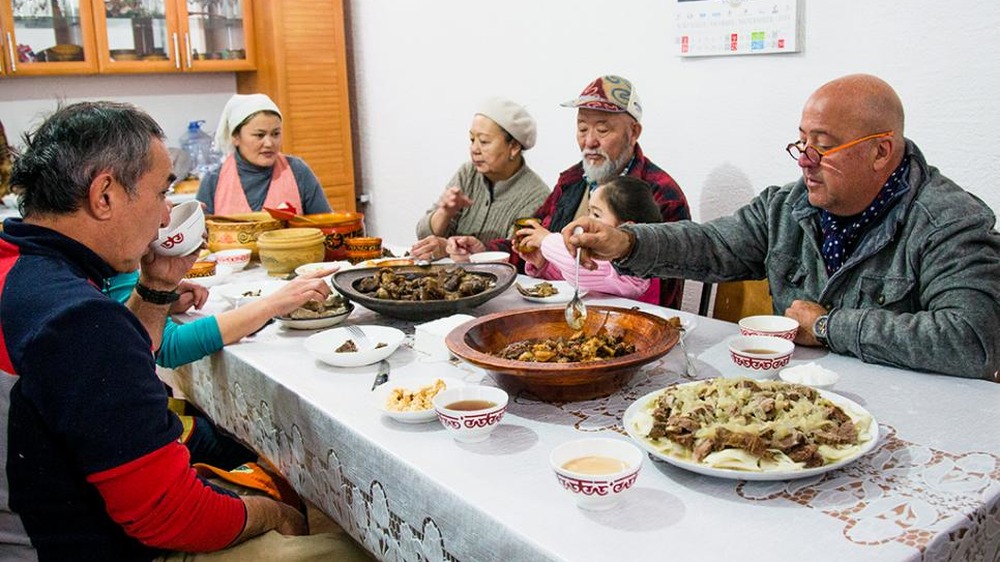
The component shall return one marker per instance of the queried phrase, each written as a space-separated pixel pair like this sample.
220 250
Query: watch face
819 328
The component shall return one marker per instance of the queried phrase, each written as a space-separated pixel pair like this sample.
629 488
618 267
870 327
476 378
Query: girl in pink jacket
623 199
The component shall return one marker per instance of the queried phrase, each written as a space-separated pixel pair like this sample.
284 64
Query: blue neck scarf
841 234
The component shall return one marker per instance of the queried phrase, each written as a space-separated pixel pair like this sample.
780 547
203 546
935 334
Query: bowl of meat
423 292
536 352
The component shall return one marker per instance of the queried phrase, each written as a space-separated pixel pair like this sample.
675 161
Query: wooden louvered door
302 65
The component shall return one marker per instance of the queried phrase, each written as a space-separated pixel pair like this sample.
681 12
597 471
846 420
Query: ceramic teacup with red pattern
596 471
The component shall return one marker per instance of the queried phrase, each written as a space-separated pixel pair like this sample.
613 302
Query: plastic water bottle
198 146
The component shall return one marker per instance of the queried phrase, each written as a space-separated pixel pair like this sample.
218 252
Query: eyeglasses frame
838 148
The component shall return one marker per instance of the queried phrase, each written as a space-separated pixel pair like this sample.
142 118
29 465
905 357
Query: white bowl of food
810 374
760 357
315 315
235 259
237 294
411 400
185 233
490 257
335 266
596 471
769 325
340 347
470 413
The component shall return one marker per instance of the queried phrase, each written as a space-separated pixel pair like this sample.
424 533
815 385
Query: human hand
459 248
297 292
453 200
805 313
164 273
530 237
191 294
598 241
430 248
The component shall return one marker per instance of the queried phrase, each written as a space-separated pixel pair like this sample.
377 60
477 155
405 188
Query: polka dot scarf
841 234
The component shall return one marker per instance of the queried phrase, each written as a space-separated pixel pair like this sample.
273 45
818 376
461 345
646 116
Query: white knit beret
513 118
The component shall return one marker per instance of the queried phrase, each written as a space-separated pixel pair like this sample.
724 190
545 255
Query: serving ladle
576 311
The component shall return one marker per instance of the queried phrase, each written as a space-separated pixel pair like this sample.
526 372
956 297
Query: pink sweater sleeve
604 279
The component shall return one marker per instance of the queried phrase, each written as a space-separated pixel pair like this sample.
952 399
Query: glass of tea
524 222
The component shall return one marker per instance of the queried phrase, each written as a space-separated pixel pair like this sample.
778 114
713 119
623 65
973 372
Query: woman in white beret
255 174
492 189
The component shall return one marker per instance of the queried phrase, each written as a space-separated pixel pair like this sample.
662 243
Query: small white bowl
185 233
490 257
381 394
241 293
315 323
308 268
769 325
601 490
470 426
760 357
235 259
810 374
323 346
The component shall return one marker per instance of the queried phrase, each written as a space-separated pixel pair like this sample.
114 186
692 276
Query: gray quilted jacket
921 291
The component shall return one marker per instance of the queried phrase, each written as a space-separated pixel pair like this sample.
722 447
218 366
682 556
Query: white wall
172 100
718 125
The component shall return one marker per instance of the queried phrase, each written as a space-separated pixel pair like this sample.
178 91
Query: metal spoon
576 311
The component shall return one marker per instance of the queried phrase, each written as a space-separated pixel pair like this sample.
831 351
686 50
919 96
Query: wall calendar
737 27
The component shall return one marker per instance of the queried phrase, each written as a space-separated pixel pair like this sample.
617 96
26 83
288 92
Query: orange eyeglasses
814 155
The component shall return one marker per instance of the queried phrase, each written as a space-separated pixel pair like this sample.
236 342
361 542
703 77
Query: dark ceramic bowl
502 275
476 340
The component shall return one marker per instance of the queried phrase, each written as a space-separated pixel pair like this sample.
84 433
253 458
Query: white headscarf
237 109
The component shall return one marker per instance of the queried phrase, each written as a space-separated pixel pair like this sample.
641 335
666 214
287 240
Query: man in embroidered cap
255 174
608 125
490 190
872 251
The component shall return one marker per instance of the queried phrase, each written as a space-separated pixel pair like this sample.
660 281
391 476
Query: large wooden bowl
475 340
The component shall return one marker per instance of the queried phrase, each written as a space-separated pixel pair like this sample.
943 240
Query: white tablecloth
929 491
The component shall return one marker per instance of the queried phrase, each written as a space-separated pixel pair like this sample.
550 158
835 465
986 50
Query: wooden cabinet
305 73
174 35
126 36
47 37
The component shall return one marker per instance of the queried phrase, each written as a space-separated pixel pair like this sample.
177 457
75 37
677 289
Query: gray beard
602 173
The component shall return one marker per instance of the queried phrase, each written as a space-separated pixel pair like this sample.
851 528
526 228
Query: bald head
864 103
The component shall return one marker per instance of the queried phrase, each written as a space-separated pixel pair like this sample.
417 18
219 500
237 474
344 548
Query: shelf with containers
126 36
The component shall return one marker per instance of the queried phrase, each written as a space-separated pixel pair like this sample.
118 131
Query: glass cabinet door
137 36
217 35
47 37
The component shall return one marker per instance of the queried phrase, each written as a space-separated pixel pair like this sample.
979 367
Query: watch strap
153 296
821 329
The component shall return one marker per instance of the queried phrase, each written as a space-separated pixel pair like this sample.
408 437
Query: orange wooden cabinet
140 36
303 67
47 38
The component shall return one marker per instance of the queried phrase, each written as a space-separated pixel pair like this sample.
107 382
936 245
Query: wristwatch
820 329
152 296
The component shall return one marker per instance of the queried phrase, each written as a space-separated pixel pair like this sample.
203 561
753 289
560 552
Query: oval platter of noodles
751 430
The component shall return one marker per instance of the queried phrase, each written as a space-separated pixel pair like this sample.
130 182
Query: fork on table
359 336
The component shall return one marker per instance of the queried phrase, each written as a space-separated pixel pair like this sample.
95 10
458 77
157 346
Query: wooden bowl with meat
522 350
424 292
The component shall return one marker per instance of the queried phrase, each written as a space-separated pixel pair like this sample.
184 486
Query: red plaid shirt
560 207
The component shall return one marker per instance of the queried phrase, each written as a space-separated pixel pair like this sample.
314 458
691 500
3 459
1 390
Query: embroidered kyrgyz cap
609 93
513 118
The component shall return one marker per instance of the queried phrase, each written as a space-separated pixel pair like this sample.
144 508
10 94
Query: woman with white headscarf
255 174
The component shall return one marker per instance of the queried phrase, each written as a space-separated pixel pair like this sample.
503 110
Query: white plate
381 393
235 293
315 323
733 474
490 257
564 295
323 346
321 265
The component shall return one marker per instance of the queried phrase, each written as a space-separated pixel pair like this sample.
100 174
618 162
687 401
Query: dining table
928 490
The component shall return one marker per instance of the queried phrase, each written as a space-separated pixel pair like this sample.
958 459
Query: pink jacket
561 265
